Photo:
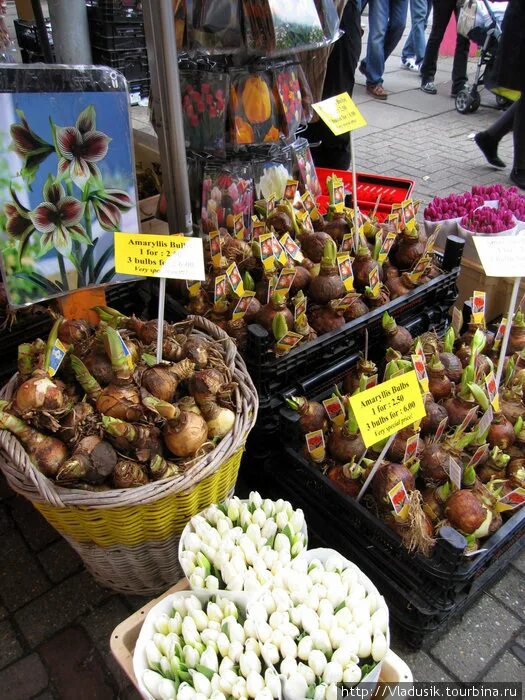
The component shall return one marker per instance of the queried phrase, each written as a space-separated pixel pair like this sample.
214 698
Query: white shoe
410 64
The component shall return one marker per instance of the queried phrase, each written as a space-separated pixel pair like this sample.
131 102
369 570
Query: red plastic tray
393 190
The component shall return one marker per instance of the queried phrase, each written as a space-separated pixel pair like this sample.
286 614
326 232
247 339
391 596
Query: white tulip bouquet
240 545
202 647
321 626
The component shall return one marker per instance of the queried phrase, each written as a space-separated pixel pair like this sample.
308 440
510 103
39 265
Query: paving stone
10 649
5 521
59 607
511 591
423 667
477 637
59 560
380 114
100 624
508 668
36 530
21 579
46 695
75 668
136 601
23 679
130 693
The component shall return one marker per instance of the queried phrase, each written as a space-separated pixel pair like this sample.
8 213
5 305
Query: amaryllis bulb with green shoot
93 461
440 385
163 380
451 363
47 453
220 419
397 337
327 285
137 440
86 380
279 327
312 415
128 474
345 442
276 305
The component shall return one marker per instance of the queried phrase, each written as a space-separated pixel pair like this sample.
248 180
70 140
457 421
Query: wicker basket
128 538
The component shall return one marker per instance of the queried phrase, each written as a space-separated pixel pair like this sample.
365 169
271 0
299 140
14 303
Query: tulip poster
67 185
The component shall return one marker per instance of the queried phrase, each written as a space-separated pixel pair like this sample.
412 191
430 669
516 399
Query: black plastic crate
116 36
413 595
115 10
133 64
27 36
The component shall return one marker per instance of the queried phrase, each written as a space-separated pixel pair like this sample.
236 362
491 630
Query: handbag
467 18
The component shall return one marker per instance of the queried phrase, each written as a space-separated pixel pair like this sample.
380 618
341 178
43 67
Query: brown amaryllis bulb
312 415
464 511
457 409
397 337
512 406
39 393
140 441
281 221
516 472
325 319
351 380
163 380
410 246
362 266
251 312
206 384
397 449
432 505
338 227
433 460
236 329
344 446
301 281
93 461
375 302
99 366
199 304
328 284
399 285
188 403
312 244
219 313
386 477
73 332
196 350
501 433
146 331
453 366
517 334
185 435
129 475
390 271
121 402
435 414
466 337
81 421
439 384
343 480
220 420
276 305
356 309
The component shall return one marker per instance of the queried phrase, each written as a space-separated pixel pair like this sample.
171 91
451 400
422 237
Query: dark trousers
334 151
513 119
443 10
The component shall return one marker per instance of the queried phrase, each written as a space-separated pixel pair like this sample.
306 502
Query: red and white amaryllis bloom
57 218
18 224
108 205
80 148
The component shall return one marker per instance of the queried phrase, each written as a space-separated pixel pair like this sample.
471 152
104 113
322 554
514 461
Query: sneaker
410 64
429 87
377 91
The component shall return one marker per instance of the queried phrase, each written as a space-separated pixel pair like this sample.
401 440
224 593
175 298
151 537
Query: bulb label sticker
235 280
291 247
171 256
340 114
344 263
411 449
399 499
242 305
500 333
492 390
126 351
315 444
511 500
441 429
288 342
58 353
486 420
334 410
421 372
286 279
388 407
478 455
478 307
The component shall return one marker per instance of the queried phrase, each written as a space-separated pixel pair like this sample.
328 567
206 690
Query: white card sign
501 256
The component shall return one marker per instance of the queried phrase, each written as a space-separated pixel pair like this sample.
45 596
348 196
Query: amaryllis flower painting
70 183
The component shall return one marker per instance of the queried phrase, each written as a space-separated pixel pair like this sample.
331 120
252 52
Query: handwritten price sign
340 114
388 407
173 257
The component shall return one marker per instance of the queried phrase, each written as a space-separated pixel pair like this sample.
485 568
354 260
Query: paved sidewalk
55 622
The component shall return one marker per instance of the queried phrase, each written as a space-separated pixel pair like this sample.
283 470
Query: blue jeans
386 23
415 44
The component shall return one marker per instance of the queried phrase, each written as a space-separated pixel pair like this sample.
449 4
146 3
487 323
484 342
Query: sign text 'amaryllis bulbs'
239 545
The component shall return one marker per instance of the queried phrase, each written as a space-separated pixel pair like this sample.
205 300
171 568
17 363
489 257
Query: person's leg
418 10
375 54
489 139
396 25
443 10
409 50
459 67
518 171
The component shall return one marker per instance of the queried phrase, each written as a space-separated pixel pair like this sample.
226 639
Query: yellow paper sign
388 407
173 256
340 114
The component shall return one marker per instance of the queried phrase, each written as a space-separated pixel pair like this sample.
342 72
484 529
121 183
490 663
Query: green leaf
367 668
22 245
101 262
40 281
108 276
340 607
84 265
225 629
205 671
